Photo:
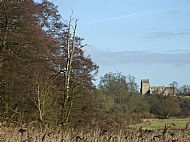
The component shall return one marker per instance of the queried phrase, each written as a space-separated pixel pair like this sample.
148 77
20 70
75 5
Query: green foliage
164 107
117 95
114 84
118 86
136 104
184 105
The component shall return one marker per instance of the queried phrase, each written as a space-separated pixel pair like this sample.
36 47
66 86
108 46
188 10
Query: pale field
160 123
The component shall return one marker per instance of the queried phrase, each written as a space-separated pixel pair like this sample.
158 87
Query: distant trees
137 104
174 86
185 105
132 85
115 85
118 95
184 90
164 106
118 86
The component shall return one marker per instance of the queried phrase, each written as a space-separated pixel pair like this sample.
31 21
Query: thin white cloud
108 19
167 34
121 17
171 11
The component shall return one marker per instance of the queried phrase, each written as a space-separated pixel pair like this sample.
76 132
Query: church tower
145 86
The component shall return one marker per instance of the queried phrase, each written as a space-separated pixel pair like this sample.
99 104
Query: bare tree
174 86
70 50
42 96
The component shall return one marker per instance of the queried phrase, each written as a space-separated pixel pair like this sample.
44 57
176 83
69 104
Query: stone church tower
145 86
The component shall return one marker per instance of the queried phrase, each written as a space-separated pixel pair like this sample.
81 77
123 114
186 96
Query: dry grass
32 134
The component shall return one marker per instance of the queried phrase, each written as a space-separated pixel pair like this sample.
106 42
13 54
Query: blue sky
144 38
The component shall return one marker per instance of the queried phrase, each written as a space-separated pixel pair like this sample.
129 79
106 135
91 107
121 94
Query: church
146 88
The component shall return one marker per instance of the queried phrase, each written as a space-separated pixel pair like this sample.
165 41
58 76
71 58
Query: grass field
160 123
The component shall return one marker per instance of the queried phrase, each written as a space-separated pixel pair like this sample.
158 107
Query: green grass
185 97
160 123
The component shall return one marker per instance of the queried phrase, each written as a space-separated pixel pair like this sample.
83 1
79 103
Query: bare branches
70 48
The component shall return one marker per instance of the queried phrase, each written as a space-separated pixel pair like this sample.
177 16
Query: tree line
43 70
118 95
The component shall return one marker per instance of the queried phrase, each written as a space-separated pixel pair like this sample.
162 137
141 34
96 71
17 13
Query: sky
144 38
